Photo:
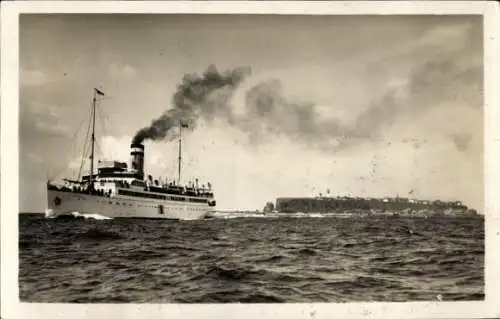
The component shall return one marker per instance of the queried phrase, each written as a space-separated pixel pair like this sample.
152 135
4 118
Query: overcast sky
365 106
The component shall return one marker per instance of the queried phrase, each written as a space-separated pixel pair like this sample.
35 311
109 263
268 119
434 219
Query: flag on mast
99 91
184 124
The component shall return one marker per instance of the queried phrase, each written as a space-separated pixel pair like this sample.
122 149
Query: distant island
380 206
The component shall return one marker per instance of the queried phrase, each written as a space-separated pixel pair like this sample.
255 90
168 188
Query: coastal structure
121 190
370 205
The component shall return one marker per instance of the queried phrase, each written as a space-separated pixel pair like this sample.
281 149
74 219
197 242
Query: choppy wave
251 259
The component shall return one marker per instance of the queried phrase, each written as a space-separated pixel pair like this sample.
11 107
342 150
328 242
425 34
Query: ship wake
75 215
230 215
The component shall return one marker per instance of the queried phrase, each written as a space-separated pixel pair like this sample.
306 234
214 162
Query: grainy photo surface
250 158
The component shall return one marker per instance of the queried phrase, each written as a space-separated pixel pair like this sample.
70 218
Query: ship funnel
137 159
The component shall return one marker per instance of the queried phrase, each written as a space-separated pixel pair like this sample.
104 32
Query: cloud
42 120
447 37
121 71
114 148
33 77
34 158
46 140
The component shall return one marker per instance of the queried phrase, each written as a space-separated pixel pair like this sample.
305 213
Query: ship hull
61 203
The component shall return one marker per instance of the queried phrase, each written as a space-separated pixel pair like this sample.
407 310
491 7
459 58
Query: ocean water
251 260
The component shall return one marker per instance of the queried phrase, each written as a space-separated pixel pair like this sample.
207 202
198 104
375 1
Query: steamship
120 190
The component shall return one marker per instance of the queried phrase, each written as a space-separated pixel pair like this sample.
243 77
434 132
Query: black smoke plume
197 96
269 111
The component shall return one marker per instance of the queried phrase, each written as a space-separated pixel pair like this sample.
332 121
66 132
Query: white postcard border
12 308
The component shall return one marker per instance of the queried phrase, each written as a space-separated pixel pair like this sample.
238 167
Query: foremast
92 151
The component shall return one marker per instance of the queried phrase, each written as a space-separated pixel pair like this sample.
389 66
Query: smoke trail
203 95
270 111
267 110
